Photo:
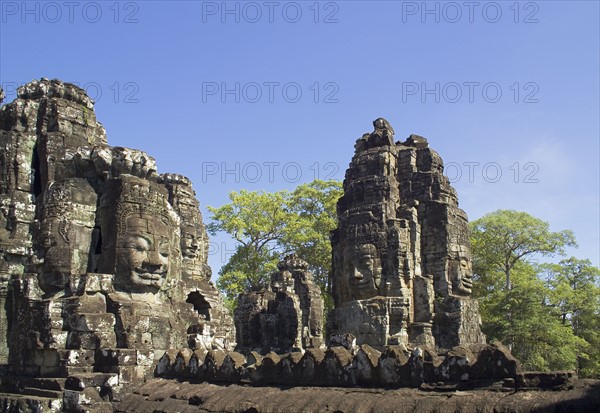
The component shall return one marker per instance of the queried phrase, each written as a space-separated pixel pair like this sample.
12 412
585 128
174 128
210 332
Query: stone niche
401 254
288 316
103 261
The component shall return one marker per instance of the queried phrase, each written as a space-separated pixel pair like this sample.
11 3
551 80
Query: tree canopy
575 286
504 238
269 225
547 313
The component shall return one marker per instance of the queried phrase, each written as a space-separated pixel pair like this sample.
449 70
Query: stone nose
152 267
154 261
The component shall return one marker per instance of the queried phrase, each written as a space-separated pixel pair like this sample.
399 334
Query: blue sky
268 95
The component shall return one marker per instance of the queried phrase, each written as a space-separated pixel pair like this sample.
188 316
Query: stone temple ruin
95 281
401 254
287 317
106 302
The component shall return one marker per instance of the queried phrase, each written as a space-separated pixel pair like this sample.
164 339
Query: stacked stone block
401 254
285 317
103 261
478 365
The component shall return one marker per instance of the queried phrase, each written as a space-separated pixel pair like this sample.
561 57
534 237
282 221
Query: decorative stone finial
382 125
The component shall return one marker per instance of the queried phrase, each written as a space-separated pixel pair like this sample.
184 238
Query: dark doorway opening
200 304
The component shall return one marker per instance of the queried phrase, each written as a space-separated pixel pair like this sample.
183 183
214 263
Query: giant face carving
190 246
460 274
362 267
54 238
193 251
57 253
193 234
142 235
143 253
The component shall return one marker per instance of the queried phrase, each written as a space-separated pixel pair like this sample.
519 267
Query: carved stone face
191 245
57 253
193 251
65 230
460 274
362 267
143 254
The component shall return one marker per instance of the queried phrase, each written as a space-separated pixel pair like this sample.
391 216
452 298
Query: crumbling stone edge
463 367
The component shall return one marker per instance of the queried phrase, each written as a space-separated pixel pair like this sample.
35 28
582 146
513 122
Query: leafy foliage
575 286
503 238
524 317
270 225
548 314
314 208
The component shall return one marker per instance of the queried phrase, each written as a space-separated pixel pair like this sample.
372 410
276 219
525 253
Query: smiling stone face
139 240
190 246
143 254
362 267
460 274
63 234
194 239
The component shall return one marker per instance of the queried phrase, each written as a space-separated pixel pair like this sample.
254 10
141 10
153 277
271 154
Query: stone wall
463 367
104 281
160 395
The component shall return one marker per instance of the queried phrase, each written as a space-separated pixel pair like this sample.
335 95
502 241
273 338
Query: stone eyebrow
145 238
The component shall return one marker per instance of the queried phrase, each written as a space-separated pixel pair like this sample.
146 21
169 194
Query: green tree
314 208
517 306
269 225
575 286
256 220
503 238
248 269
533 328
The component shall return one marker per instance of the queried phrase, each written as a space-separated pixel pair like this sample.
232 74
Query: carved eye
163 249
138 248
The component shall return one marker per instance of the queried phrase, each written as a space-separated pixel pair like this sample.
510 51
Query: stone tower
401 253
103 262
288 316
